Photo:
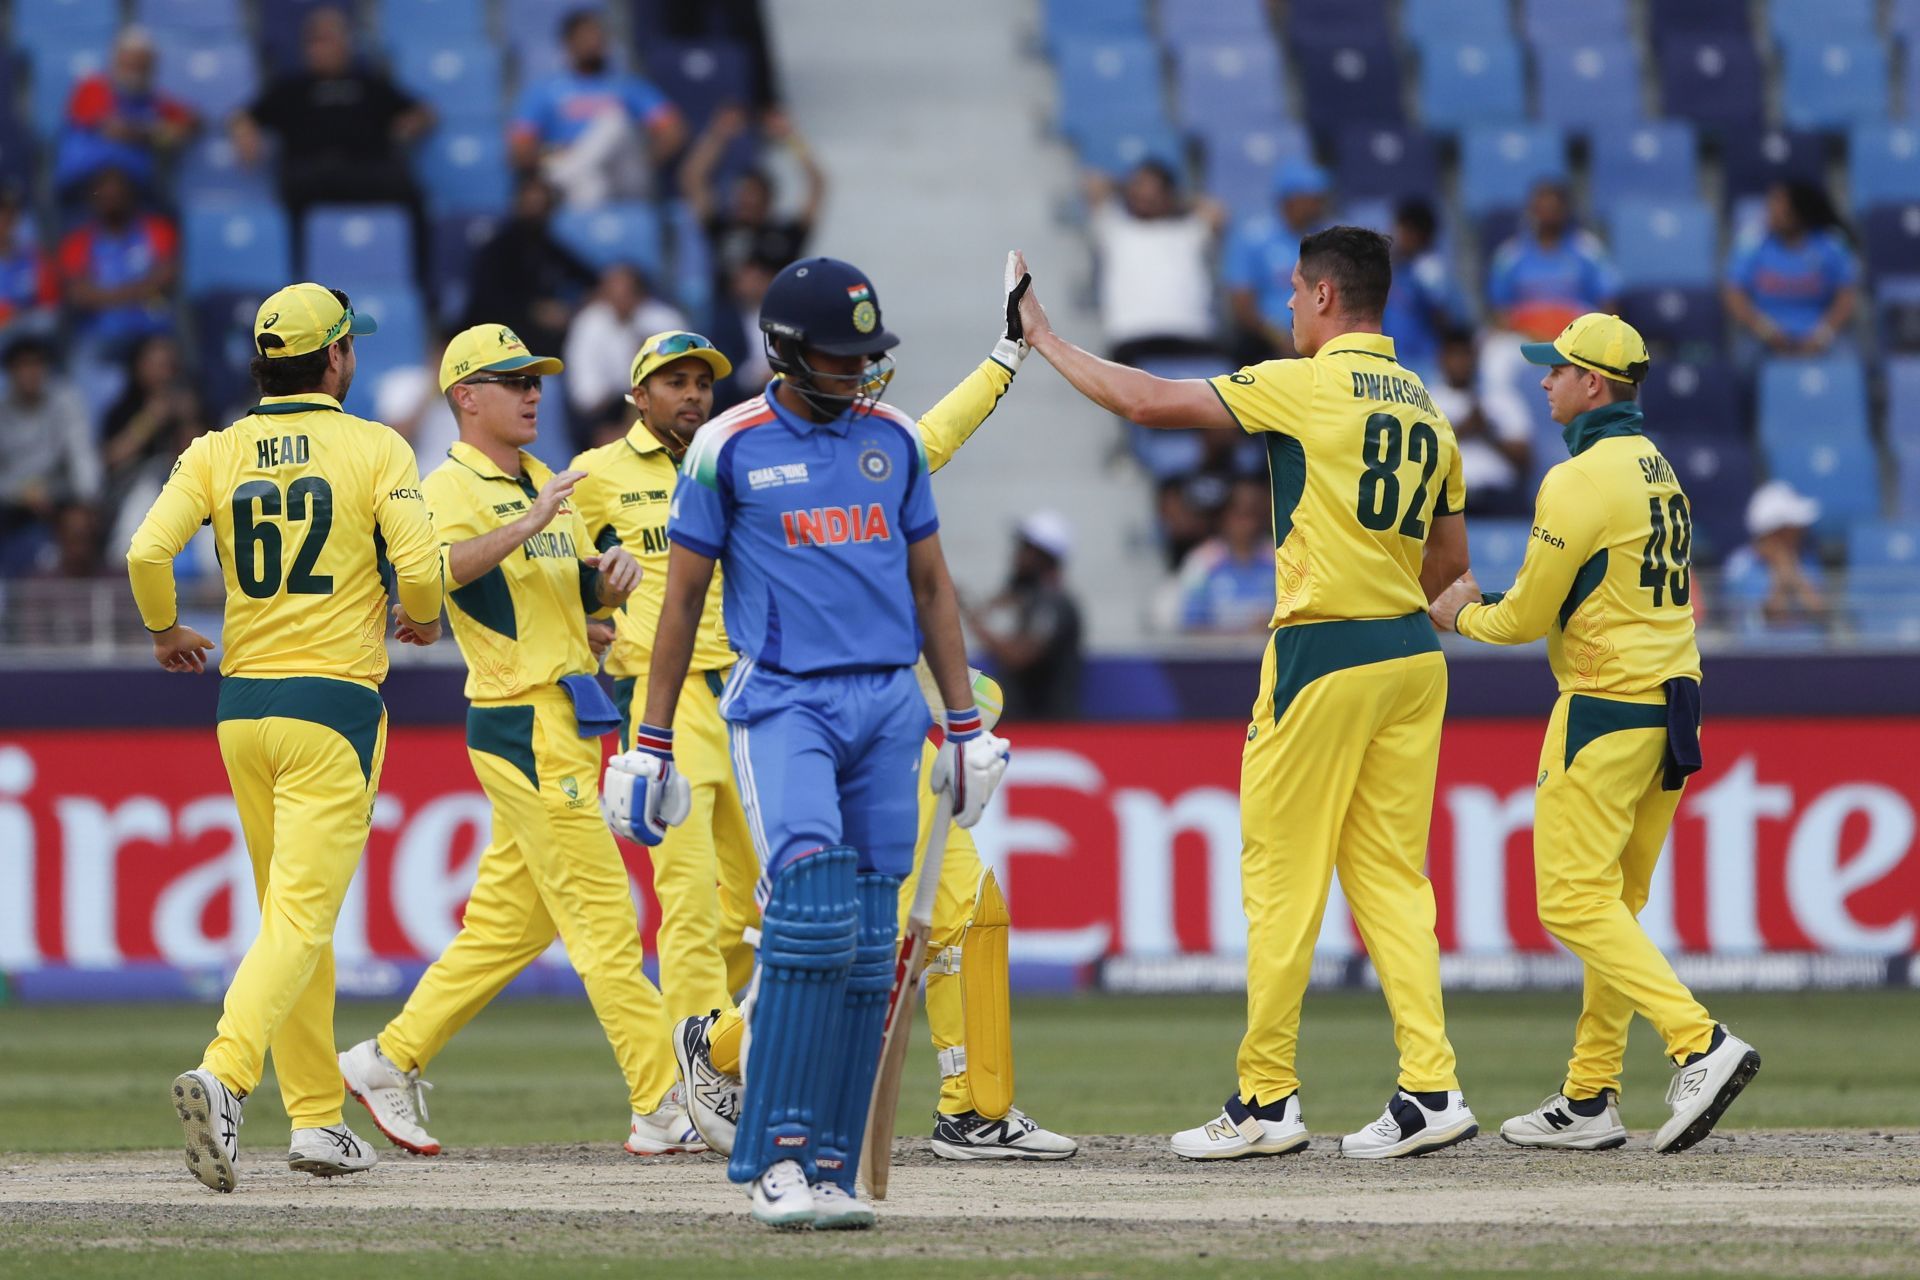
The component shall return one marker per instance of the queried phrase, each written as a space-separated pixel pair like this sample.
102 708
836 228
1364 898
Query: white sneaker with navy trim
1408 1127
330 1152
1704 1087
781 1196
835 1210
1554 1123
1277 1130
666 1130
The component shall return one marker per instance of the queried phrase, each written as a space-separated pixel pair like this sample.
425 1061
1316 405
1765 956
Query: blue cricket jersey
811 524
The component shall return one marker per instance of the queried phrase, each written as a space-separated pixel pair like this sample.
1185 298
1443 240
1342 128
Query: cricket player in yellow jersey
309 507
1338 768
522 578
1607 579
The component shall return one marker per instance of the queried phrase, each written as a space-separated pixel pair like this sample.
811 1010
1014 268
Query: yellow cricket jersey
629 488
307 504
519 624
1607 576
1360 462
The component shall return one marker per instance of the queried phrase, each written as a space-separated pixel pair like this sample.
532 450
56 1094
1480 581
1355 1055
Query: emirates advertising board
1792 863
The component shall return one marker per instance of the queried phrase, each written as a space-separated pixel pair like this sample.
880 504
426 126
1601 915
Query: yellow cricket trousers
303 754
1338 772
551 866
705 870
1600 818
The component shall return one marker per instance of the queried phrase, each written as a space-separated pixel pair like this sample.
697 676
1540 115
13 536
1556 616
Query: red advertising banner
123 848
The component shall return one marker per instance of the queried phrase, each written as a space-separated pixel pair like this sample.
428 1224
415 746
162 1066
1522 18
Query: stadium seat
1842 475
211 17
468 17
1240 164
1896 312
1832 85
1472 81
1109 81
1718 476
460 81
1677 318
1428 22
18 155
1496 547
1903 403
58 63
355 247
1337 21
1754 160
1217 84
1499 166
210 169
456 238
1543 20
1903 20
222 324
1714 81
1822 398
1795 22
1382 162
1892 235
1691 399
1114 147
1663 242
613 233
1883 579
534 19
400 341
701 76
236 246
1184 22
691 282
63 22
280 38
1884 161
1069 22
1705 17
216 77
1655 161
1592 87
463 169
1347 81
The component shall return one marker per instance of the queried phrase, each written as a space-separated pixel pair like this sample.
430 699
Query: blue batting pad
848 1090
807 939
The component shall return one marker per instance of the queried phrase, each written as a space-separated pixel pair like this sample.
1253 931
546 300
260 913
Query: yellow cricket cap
664 348
303 318
493 348
1605 344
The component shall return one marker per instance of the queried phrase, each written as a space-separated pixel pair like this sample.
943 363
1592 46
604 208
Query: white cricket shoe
1014 1136
1704 1087
1240 1132
330 1152
1409 1128
396 1099
664 1131
210 1122
712 1096
781 1196
835 1210
1554 1123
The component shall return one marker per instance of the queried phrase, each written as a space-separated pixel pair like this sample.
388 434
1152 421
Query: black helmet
825 305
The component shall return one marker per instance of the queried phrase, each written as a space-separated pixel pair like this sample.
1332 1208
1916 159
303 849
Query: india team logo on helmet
865 315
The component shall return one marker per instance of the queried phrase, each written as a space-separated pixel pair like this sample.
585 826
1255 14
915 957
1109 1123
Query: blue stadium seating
615 233
1496 546
1657 242
222 327
1185 22
215 17
1842 475
1691 399
1240 164
1336 21
355 247
400 341
1376 162
1680 318
1821 399
691 284
1892 235
1903 20
1704 17
701 76
456 237
1215 84
1883 579
534 19
1885 164
1800 21
1754 160
468 17
1114 147
1718 475
1348 81
235 246
1499 166
1588 87
1833 85
280 38
18 153
1068 22
210 169
1903 402
1470 82
1107 81
63 21
463 169
59 62
1656 161
1714 81
216 77
460 81
1909 105
1543 20
1426 22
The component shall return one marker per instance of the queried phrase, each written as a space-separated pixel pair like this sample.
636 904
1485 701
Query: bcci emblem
865 317
876 465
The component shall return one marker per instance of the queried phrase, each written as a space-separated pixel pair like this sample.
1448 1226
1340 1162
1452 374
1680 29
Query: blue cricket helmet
828 305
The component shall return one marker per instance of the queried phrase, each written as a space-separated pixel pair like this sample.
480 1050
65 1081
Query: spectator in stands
29 287
594 132
524 277
1226 583
75 544
1156 294
746 222
156 399
47 456
1426 300
1773 585
117 119
118 269
736 331
343 130
1031 630
606 334
1493 429
1795 288
1188 509
1258 269
1551 271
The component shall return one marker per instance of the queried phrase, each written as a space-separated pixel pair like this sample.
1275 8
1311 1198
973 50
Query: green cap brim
1543 353
362 324
545 366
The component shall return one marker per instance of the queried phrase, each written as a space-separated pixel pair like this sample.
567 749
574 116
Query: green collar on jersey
1620 419
295 406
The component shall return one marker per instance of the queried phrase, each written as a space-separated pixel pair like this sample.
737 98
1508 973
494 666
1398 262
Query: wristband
963 724
1008 353
653 739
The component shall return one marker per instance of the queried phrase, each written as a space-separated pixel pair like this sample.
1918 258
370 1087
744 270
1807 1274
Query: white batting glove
642 794
1012 347
969 766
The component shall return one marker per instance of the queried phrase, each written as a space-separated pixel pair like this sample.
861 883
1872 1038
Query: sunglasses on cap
677 344
521 382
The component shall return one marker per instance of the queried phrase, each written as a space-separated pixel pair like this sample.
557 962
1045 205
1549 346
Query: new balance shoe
1411 1127
330 1152
781 1196
1703 1087
712 1097
1014 1136
396 1099
835 1210
664 1131
1272 1129
210 1122
1556 1123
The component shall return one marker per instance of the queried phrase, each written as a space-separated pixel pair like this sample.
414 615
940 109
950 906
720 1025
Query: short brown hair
1358 261
290 375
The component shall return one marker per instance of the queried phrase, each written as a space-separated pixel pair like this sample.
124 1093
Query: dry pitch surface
1752 1203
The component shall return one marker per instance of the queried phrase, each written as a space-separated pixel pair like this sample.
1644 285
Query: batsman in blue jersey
816 499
